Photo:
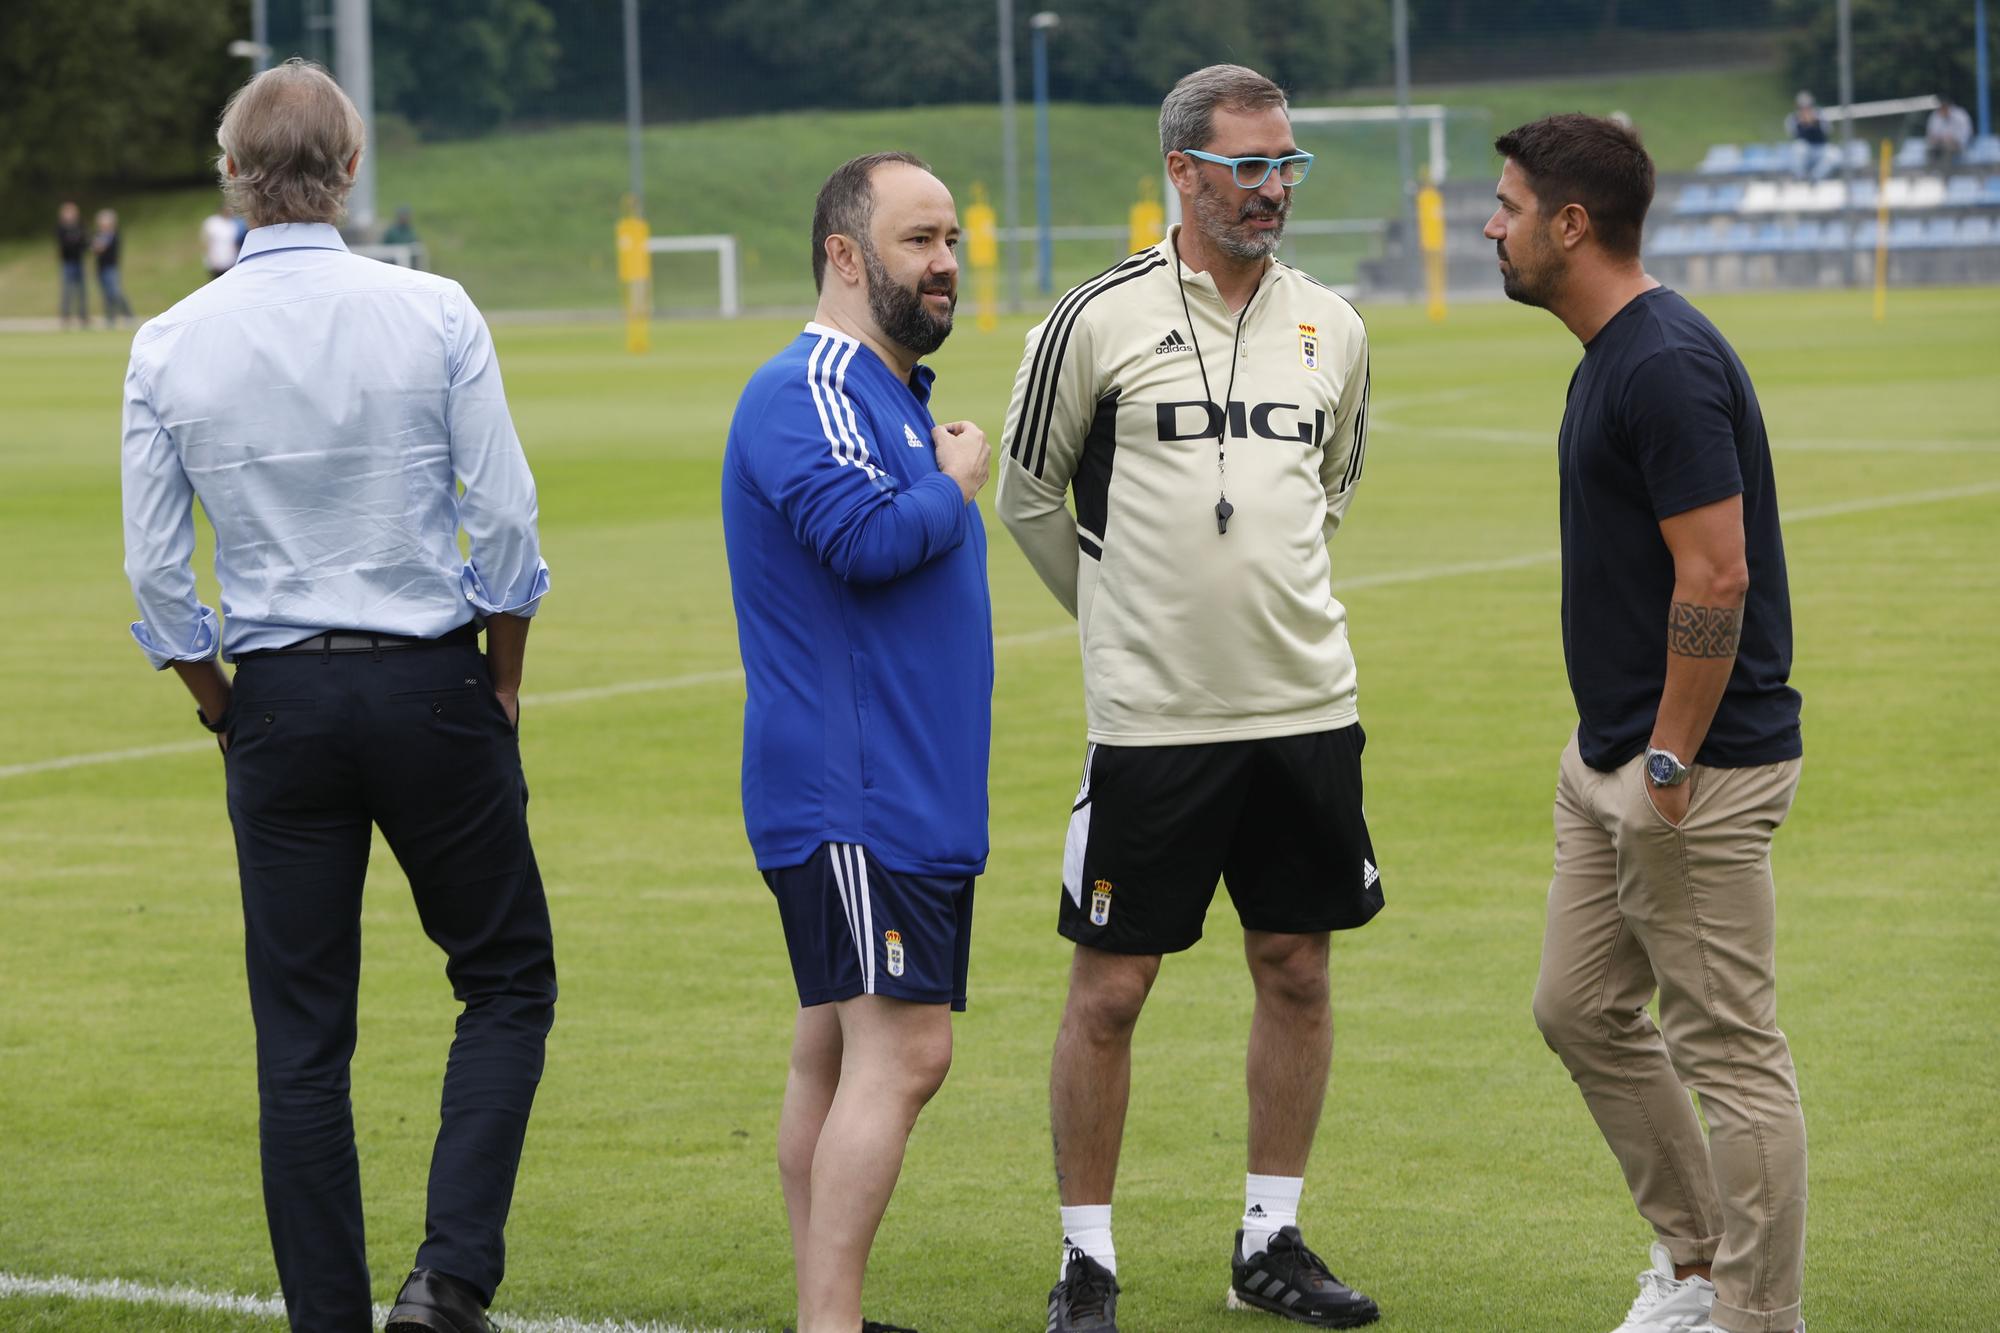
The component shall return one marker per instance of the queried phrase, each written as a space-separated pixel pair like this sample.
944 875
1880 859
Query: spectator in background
1947 133
70 243
1812 155
105 245
404 233
401 231
220 241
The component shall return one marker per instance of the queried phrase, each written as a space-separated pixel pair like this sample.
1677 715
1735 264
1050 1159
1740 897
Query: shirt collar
291 236
920 379
1202 283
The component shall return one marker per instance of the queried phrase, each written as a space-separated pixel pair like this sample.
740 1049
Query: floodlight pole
632 116
1984 83
1844 17
260 35
1038 28
1400 21
354 67
1010 166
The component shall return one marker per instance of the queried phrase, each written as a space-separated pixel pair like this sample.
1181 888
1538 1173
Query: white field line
102 757
1840 507
1828 445
271 1307
1387 578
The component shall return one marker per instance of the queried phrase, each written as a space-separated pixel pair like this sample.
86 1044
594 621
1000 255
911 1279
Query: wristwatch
1664 768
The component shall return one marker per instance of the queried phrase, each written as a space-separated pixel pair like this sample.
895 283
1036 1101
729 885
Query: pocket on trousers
461 700
252 722
255 716
455 696
1696 783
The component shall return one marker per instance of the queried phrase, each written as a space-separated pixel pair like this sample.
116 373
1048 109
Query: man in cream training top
1206 409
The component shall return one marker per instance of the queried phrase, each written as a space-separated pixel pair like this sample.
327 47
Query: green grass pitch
1457 1177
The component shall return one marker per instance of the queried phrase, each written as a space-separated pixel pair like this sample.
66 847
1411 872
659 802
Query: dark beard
899 311
1534 292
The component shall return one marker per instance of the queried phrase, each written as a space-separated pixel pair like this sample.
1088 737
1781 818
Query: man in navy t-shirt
858 566
1678 635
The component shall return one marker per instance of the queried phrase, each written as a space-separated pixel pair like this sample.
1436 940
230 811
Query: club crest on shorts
1309 346
1100 902
892 944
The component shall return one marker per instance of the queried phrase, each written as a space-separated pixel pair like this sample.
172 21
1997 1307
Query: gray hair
291 132
1187 117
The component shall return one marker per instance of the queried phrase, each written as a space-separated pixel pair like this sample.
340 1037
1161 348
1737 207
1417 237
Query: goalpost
1432 115
728 277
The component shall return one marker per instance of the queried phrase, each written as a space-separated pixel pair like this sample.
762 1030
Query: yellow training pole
982 251
635 271
1430 236
1882 238
1146 224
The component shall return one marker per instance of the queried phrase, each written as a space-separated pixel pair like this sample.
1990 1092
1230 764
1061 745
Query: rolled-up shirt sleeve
173 625
505 572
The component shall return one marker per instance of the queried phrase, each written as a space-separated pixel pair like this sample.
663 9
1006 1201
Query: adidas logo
1256 1210
1173 342
910 437
1369 874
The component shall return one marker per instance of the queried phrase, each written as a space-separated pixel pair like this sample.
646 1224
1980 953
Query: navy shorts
855 928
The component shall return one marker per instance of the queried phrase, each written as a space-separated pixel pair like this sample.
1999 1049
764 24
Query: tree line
126 92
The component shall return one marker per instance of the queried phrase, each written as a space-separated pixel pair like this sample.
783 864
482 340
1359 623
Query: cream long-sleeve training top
1191 635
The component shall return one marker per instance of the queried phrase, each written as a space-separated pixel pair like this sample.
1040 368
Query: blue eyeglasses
1252 172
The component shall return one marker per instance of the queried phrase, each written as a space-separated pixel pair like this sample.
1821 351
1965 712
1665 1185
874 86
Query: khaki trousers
1638 904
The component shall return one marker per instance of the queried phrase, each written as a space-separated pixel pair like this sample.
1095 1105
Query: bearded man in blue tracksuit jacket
858 563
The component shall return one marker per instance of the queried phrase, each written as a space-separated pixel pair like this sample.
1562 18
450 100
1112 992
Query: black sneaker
1085 1299
1288 1279
870 1326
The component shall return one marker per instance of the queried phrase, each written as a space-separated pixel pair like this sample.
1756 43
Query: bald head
290 141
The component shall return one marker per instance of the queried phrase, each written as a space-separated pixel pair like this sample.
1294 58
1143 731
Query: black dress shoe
431 1302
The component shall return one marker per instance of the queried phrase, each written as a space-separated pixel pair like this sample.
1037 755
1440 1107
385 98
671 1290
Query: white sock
1269 1203
1087 1227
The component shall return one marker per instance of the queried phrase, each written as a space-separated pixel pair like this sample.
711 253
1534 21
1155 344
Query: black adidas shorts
1279 819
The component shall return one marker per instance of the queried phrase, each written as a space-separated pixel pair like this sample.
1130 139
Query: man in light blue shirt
324 409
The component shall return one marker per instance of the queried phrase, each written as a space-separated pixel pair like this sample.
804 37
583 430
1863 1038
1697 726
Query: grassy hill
524 219
1457 1177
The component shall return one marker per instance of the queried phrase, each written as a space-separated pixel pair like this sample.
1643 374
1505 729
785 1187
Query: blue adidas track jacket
859 577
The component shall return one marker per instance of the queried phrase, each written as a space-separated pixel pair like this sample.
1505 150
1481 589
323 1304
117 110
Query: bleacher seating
1765 159
1747 220
1768 159
1808 235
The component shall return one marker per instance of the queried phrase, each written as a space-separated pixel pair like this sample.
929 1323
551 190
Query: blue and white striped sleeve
811 458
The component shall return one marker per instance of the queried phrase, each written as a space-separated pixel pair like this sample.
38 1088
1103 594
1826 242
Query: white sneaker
1706 1327
1667 1304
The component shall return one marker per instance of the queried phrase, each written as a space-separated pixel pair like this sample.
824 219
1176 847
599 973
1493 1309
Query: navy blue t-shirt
1661 419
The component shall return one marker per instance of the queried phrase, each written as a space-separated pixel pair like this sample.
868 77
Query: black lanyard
1223 509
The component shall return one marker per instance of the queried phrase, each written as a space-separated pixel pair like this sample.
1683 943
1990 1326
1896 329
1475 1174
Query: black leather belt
351 641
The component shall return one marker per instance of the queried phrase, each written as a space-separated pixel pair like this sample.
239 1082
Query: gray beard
1222 225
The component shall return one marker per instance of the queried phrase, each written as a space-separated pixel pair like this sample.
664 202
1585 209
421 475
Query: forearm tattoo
1703 631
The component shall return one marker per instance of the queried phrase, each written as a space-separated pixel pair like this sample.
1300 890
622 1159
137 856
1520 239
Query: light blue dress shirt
323 407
